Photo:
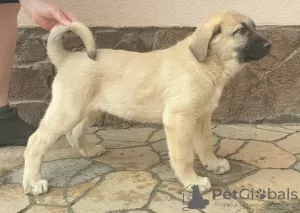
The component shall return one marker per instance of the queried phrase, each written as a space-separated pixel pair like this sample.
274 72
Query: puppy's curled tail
55 49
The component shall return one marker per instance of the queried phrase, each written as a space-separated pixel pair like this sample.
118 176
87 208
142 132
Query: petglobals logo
254 194
220 197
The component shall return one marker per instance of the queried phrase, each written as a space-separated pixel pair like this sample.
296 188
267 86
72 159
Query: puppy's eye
241 30
217 31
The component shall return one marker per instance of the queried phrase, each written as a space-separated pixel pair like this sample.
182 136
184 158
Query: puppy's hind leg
77 138
58 120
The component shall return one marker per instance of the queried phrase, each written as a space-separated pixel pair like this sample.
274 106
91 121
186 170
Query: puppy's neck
222 70
231 68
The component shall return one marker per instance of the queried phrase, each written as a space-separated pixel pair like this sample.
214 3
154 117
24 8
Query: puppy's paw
220 166
202 182
91 150
37 188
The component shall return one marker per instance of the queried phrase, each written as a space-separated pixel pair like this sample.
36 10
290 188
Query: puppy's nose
267 45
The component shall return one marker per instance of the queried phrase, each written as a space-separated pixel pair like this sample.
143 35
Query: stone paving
134 175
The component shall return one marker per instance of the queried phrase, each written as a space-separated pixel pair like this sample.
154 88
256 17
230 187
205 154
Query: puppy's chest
212 101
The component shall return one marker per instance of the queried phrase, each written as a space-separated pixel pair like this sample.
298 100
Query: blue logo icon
197 201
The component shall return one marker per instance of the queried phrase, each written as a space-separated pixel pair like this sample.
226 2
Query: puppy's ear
201 39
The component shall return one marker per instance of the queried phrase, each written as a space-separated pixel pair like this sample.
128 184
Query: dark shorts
8 1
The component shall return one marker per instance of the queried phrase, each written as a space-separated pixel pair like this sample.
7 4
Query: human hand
46 14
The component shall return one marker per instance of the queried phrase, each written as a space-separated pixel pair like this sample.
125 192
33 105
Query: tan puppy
179 86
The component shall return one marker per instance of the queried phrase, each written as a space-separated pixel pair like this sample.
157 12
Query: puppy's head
230 36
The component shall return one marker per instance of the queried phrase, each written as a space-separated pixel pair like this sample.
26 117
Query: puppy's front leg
179 130
203 144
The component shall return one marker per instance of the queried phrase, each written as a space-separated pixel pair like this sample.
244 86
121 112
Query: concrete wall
166 13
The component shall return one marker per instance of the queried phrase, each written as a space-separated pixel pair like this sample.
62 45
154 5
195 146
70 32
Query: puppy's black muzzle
257 48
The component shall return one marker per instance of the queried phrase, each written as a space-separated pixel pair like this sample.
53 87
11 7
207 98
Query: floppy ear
201 39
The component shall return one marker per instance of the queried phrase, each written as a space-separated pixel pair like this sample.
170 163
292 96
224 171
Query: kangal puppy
179 86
